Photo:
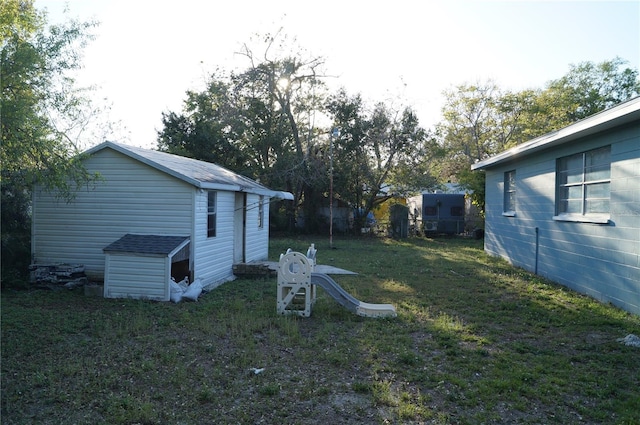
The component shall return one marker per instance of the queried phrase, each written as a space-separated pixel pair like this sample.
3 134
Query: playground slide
348 301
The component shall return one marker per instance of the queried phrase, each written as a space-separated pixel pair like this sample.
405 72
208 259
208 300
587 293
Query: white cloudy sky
147 54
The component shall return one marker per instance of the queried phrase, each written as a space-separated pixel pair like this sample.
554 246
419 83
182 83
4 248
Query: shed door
239 227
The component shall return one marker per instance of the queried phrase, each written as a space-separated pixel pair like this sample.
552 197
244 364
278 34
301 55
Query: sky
146 55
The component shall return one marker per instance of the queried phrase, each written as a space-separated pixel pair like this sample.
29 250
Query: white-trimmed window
583 185
509 203
211 213
261 212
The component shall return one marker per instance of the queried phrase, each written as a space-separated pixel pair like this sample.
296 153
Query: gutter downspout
537 249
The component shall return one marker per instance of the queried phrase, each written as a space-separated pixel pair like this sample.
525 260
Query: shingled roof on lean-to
148 244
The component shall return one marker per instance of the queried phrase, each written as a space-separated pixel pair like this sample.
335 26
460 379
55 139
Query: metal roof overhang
258 189
624 113
255 190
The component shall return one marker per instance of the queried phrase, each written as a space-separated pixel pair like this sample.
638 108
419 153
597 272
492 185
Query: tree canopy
42 109
380 152
262 122
258 122
43 113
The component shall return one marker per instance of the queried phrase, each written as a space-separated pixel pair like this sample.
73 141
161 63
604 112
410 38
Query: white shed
223 215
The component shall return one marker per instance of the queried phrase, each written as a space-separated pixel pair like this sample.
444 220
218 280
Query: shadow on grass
485 341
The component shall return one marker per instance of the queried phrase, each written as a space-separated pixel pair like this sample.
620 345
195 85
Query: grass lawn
475 341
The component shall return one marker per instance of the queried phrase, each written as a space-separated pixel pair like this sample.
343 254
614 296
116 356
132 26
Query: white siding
137 276
257 238
213 257
130 198
602 260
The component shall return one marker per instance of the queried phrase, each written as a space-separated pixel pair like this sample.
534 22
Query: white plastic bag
176 291
193 291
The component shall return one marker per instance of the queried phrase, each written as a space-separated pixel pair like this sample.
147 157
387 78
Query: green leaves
377 147
589 88
43 119
40 105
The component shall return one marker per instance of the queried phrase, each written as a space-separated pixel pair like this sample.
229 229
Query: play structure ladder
296 294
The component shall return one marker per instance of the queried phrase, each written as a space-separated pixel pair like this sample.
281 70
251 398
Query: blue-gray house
566 205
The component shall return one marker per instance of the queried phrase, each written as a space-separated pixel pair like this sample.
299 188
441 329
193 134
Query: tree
42 111
480 120
259 122
586 89
472 129
376 148
589 88
208 129
287 92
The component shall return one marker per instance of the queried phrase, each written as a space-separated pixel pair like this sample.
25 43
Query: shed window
211 214
261 212
509 204
583 183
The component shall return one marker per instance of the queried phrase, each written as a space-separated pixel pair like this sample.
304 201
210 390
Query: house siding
130 198
137 276
257 238
602 261
213 256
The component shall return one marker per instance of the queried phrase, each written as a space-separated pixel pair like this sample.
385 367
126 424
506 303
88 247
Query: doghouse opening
180 264
180 269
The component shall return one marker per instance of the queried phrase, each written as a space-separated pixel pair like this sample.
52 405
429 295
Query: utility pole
335 133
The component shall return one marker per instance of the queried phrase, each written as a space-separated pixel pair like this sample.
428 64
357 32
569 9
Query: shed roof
618 115
148 244
201 174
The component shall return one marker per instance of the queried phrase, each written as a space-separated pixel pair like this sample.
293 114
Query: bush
15 250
